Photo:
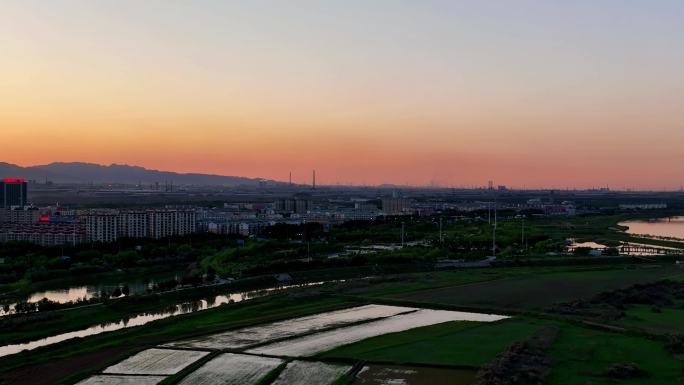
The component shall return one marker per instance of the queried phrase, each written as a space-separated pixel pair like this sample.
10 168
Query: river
86 291
142 319
667 228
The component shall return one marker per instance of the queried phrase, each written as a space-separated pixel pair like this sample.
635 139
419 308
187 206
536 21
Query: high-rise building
394 206
13 192
299 206
21 215
102 226
167 223
110 225
44 233
134 224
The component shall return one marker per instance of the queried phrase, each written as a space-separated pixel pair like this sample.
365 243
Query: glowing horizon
527 94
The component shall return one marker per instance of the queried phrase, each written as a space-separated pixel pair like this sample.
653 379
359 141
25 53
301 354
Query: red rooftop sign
13 180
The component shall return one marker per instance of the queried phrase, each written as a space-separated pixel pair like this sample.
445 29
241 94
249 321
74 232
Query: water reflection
142 319
669 228
71 294
626 248
86 292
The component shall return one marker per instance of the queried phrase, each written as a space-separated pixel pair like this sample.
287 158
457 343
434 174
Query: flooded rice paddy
310 373
122 380
407 375
319 342
278 330
232 369
156 362
252 366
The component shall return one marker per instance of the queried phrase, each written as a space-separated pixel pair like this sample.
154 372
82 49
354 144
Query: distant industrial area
53 211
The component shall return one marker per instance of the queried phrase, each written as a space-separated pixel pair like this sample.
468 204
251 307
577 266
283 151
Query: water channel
142 319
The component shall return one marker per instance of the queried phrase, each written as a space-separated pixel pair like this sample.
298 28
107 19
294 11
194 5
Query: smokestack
313 184
290 178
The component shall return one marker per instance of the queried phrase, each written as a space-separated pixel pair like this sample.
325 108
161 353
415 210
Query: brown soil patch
53 372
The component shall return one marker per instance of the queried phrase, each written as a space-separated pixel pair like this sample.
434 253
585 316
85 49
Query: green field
667 320
581 355
536 291
453 343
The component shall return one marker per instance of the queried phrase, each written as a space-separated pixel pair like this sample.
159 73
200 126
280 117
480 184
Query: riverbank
511 290
24 289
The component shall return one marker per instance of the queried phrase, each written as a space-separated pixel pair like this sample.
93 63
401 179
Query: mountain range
85 173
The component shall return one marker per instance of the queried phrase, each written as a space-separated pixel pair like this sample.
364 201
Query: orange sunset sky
455 93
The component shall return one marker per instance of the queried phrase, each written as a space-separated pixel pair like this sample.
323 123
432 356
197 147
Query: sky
525 93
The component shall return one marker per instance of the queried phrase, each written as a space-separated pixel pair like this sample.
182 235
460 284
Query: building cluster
54 226
110 225
643 206
51 226
550 208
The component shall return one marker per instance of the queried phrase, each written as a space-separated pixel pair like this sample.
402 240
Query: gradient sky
580 93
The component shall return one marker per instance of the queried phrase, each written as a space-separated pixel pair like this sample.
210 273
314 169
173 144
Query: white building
134 224
102 226
109 225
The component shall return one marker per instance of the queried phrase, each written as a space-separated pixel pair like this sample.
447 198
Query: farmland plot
242 338
156 361
232 369
406 375
122 380
323 341
310 373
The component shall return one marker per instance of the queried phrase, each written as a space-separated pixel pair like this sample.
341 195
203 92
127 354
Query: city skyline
530 94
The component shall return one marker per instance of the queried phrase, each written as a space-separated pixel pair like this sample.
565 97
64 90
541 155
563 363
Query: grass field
397 286
536 291
453 343
581 355
578 356
667 321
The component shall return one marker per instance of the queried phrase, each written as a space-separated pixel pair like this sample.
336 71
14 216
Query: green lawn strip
580 355
414 282
274 308
460 344
409 283
666 320
534 292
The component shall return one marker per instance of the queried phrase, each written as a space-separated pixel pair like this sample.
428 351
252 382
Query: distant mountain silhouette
76 172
